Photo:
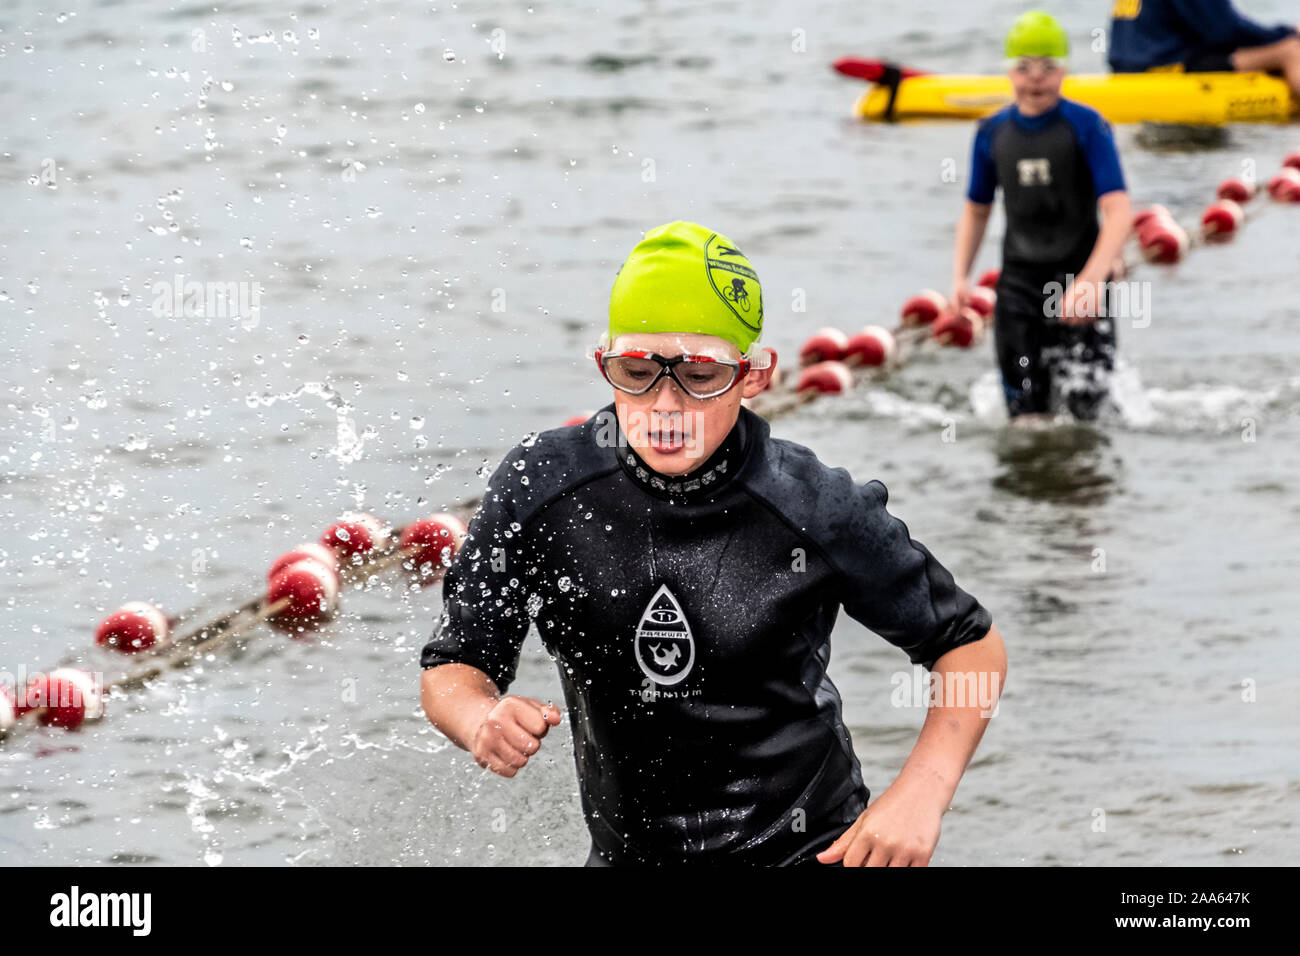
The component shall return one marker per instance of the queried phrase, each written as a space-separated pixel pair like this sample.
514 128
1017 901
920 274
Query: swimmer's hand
511 732
961 293
900 828
1079 305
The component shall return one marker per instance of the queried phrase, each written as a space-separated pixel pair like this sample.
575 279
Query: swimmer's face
1036 82
673 432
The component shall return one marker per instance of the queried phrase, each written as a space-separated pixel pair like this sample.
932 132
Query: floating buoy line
304 584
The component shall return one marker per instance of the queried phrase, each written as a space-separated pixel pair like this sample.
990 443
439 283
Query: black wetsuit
690 622
1051 169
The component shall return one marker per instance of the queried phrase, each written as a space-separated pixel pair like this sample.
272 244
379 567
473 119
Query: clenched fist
512 732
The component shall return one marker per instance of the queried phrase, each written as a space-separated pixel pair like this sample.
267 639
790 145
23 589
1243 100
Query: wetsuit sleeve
895 586
484 619
1102 155
1219 25
983 171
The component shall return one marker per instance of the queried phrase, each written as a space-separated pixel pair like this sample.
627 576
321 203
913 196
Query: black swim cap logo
738 294
664 646
735 282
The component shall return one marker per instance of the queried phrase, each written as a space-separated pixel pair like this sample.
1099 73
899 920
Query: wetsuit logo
1034 171
665 648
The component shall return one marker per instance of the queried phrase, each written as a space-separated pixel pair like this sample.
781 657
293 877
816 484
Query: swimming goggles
1044 65
636 371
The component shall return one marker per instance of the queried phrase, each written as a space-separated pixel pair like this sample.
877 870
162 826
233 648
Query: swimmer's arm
951 733
971 225
501 733
1116 218
1085 295
901 827
457 698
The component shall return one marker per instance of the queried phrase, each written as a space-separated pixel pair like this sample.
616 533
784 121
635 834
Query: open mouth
667 435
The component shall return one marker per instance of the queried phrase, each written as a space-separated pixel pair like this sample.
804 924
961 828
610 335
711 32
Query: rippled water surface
432 201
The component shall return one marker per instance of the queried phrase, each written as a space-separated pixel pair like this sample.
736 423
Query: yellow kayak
1160 97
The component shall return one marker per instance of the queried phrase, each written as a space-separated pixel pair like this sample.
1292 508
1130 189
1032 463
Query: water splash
349 446
1202 408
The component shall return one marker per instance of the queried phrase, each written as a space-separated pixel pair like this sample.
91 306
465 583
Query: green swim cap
1037 34
683 277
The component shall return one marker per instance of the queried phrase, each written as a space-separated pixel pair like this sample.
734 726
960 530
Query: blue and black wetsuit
1051 168
690 622
1198 36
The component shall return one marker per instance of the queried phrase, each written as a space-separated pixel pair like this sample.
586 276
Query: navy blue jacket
1167 32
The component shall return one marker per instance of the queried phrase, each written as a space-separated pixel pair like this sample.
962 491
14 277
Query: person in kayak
1199 36
684 569
1056 163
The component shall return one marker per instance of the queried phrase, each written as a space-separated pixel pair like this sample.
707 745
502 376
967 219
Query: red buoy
9 712
1151 213
1285 186
310 587
825 377
1236 189
436 540
1292 161
65 697
824 345
314 551
957 328
873 346
923 308
982 300
1162 240
989 280
135 626
354 534
1221 219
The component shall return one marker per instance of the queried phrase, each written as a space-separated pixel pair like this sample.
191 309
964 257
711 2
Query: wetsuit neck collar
1039 120
700 483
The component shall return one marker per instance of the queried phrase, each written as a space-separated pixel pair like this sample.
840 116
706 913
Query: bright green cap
1037 34
683 277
